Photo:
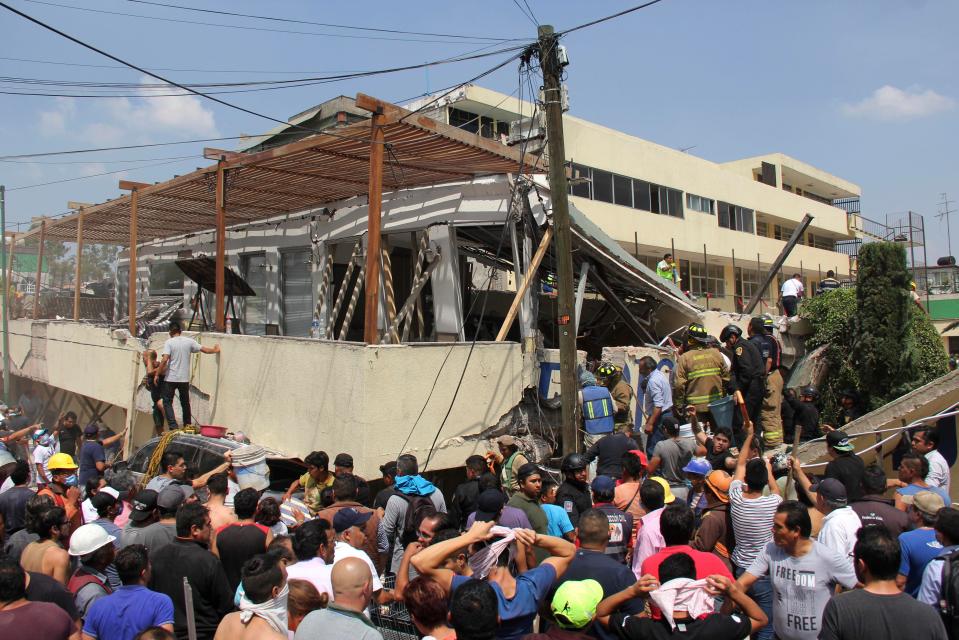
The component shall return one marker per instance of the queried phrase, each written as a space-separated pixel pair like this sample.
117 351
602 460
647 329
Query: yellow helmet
61 462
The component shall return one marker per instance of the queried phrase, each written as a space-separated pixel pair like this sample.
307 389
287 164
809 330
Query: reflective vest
598 410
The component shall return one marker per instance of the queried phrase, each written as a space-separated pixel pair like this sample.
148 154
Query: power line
127 146
529 16
178 69
249 28
97 161
97 175
609 17
316 24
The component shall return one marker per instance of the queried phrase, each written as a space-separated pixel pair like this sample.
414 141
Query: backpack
416 508
949 594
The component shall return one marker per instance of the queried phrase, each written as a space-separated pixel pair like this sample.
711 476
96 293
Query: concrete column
272 315
320 253
447 301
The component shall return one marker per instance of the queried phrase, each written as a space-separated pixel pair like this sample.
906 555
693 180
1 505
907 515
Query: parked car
204 454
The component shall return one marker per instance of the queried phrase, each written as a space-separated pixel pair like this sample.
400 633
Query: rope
157 456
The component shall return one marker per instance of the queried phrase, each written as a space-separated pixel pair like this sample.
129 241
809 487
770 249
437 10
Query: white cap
111 491
88 539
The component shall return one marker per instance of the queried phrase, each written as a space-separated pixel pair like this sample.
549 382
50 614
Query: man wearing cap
348 525
920 545
491 507
803 572
344 497
608 452
874 508
839 527
696 471
530 481
188 557
142 515
598 410
913 469
163 532
106 503
655 495
611 377
844 465
771 413
94 547
343 465
591 561
715 532
671 455
510 459
620 522
92 457
571 611
701 371
388 473
657 401
47 445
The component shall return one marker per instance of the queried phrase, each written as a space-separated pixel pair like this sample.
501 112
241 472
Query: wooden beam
372 289
211 153
76 206
76 279
521 291
36 288
389 111
220 319
129 185
132 284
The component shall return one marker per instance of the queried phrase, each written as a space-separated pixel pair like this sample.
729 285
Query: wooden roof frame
297 176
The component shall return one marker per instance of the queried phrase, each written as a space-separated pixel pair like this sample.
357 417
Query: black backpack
416 508
949 594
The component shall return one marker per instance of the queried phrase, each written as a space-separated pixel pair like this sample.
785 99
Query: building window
296 292
622 191
734 217
762 229
582 186
464 120
748 282
782 233
602 185
254 269
819 242
707 279
700 204
641 195
165 279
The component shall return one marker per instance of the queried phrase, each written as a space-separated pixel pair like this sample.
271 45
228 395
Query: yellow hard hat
668 493
61 462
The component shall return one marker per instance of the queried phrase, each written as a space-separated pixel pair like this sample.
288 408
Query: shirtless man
220 514
47 555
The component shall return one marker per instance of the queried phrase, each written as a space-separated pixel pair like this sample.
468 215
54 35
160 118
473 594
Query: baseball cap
574 603
343 460
927 502
346 518
831 490
641 455
718 482
527 470
103 499
143 505
699 466
603 484
668 493
839 441
506 440
489 504
170 498
91 430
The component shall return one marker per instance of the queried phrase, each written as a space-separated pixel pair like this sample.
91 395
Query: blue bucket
722 411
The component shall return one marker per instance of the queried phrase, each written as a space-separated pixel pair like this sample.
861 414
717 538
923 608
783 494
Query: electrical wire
529 16
316 24
259 29
97 175
45 154
179 69
97 161
609 17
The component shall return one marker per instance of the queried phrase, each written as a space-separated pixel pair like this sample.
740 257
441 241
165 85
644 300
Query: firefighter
771 414
611 377
748 376
701 372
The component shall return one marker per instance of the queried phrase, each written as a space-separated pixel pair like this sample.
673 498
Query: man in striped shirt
752 517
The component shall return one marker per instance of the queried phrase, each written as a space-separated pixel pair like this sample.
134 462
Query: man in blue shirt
558 522
657 402
131 608
919 546
528 589
947 533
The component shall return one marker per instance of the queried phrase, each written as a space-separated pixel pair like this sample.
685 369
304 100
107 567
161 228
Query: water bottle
315 328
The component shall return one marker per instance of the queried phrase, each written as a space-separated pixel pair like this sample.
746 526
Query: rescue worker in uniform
760 331
598 410
573 495
748 376
701 372
611 377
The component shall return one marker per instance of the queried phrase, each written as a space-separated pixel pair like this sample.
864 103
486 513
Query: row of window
596 184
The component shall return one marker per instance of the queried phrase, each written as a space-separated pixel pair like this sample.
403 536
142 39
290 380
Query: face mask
72 481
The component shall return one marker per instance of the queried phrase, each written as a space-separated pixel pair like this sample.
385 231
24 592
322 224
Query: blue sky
865 89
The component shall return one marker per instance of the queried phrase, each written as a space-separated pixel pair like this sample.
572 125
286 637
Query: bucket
722 411
249 463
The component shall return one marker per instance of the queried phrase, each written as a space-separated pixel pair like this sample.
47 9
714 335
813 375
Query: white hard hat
88 539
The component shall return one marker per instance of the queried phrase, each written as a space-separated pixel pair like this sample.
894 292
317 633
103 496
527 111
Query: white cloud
891 103
54 122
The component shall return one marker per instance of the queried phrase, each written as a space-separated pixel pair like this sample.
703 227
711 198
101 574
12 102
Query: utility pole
559 196
6 294
944 213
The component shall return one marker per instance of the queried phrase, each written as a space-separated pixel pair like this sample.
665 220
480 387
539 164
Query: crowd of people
670 524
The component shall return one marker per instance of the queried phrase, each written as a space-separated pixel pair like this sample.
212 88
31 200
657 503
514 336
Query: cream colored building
725 222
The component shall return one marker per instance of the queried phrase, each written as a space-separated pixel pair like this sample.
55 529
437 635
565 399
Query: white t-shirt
938 470
343 550
42 455
314 571
792 287
839 530
179 348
